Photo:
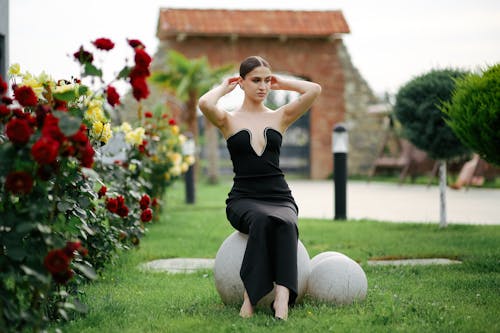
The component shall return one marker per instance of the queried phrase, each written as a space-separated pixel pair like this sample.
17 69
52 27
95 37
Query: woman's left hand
276 83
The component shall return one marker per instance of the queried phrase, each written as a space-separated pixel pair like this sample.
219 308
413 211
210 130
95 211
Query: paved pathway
398 203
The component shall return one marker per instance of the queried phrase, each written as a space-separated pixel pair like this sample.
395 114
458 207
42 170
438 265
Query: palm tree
188 79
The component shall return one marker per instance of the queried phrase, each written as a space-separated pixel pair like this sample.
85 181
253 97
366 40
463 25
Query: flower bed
65 209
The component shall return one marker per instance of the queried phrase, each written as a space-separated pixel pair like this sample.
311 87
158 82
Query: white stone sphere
228 264
323 255
337 279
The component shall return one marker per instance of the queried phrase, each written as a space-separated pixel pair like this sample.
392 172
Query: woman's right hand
230 83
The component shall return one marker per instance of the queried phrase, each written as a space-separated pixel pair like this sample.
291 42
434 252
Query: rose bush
64 211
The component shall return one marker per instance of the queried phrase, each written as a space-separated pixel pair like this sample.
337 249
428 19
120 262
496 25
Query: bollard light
340 142
189 148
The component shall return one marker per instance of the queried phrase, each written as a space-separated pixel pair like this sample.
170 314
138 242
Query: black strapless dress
261 205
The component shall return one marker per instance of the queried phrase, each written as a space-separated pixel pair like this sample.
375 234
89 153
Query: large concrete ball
227 270
323 255
337 279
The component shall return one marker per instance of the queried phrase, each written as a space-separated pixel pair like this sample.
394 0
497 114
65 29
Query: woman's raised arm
208 102
309 91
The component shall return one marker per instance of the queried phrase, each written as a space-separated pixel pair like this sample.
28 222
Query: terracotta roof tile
202 22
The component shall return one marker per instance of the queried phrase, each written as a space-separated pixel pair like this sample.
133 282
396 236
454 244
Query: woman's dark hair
250 63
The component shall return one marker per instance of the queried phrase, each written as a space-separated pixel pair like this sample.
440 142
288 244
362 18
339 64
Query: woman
260 203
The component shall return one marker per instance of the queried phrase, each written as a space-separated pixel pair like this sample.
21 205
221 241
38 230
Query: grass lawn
455 298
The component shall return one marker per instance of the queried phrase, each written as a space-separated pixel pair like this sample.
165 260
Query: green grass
456 298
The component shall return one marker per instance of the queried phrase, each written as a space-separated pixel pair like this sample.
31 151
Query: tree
474 113
417 108
189 79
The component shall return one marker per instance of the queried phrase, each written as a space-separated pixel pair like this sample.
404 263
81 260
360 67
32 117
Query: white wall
4 31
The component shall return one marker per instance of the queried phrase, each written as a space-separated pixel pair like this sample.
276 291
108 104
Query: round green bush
474 113
418 109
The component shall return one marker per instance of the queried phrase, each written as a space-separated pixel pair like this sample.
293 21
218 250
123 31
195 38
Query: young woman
260 202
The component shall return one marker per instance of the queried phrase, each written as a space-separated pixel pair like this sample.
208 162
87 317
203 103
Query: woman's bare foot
281 302
246 310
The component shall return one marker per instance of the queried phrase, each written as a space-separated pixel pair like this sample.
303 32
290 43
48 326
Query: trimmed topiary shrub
474 113
418 109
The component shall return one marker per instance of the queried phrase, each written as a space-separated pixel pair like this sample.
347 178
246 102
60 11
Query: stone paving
192 265
179 265
398 203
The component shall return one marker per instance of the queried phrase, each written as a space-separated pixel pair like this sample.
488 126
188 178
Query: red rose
68 149
87 156
71 247
112 205
148 114
63 277
146 215
18 131
45 150
4 110
140 88
135 43
19 182
142 147
145 201
60 105
40 112
4 85
112 96
83 251
83 56
121 200
103 44
31 120
142 58
80 137
172 122
139 72
57 261
51 128
7 100
102 191
155 202
122 211
25 96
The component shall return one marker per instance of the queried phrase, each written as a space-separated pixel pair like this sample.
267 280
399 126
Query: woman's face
257 83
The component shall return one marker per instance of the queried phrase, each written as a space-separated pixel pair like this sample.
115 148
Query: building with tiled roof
306 44
251 23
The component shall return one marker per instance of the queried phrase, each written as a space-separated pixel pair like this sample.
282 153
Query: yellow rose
101 131
94 103
166 175
184 167
132 167
94 114
63 88
97 127
136 136
126 127
175 129
189 159
106 133
182 138
30 80
14 69
176 158
175 170
45 78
